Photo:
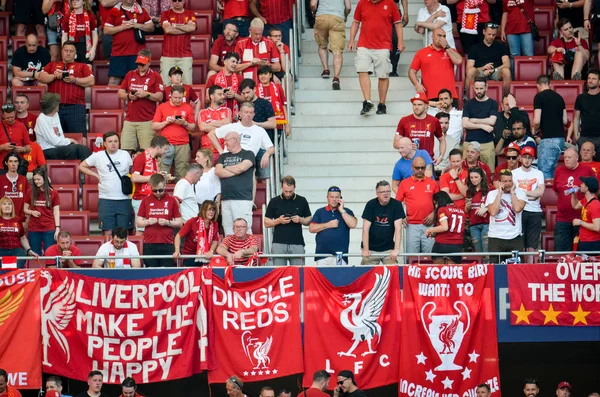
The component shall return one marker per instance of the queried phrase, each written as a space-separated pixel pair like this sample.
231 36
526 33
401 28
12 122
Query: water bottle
338 258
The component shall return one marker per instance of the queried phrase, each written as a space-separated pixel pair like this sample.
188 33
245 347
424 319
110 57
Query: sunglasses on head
158 190
8 107
334 189
491 25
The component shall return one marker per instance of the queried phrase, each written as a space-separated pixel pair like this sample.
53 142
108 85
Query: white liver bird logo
362 322
260 350
57 311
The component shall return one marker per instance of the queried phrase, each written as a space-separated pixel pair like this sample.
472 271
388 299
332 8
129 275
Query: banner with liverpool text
152 330
259 331
355 327
449 340
554 294
20 347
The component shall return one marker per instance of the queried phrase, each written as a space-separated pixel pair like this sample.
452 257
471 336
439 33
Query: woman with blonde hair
81 27
201 235
14 241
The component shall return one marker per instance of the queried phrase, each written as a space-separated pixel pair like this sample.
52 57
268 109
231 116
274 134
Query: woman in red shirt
42 205
449 231
201 235
479 219
80 26
13 241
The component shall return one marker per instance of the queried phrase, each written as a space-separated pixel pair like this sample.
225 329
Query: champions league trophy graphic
446 333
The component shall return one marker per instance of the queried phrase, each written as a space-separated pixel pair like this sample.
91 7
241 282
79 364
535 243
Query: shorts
120 65
180 154
373 61
532 228
330 30
261 173
51 37
439 248
494 76
115 213
136 134
135 204
28 12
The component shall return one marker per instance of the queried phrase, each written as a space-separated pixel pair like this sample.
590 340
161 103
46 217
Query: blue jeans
14 252
479 236
548 153
520 44
564 233
37 238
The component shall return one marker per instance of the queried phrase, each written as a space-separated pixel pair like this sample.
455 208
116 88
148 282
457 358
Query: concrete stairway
331 144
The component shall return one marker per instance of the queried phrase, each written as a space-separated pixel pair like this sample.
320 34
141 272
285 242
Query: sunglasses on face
511 157
158 190
419 168
341 382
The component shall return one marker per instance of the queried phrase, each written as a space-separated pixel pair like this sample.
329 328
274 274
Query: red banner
20 347
152 330
353 327
259 327
554 294
449 340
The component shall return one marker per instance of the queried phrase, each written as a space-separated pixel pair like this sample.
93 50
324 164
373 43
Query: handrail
267 231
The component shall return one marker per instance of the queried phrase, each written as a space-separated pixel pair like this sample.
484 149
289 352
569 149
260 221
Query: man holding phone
569 53
14 135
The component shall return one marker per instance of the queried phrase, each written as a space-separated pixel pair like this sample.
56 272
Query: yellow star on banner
579 316
550 315
522 314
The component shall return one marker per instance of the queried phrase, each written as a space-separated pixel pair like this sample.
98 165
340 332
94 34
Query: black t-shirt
589 108
263 111
552 105
574 15
85 394
237 187
290 233
382 218
355 393
503 123
29 62
475 109
482 54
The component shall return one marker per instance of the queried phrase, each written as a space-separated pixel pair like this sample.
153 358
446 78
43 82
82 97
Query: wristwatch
447 46
456 179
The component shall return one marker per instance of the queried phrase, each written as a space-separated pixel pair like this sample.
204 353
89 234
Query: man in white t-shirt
118 246
185 192
505 206
433 16
531 181
114 207
455 129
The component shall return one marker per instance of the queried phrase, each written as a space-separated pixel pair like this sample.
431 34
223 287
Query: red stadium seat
3 48
5 24
257 222
261 195
544 3
204 20
33 93
529 68
550 213
460 88
138 241
155 43
568 89
200 4
63 172
529 111
3 93
75 222
75 135
104 97
494 91
459 46
260 242
4 73
89 246
460 70
69 197
201 46
102 121
201 91
19 41
199 71
90 199
524 91
548 241
541 47
544 18
99 52
100 70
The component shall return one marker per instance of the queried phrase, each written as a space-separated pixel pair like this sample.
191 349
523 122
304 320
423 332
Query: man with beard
479 117
510 112
446 104
214 116
451 144
346 386
319 385
454 182
230 81
223 45
531 388
586 123
483 390
472 160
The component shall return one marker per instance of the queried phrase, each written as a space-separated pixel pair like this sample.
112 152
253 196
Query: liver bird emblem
362 322
260 350
9 304
447 331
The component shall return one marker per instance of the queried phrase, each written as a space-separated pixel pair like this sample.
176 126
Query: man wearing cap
142 88
531 181
587 151
421 128
436 63
479 117
403 168
346 385
511 153
178 25
454 182
69 79
332 225
564 388
319 386
589 224
230 81
471 160
566 181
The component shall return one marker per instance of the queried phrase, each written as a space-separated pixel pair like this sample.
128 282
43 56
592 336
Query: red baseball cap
142 59
512 146
419 97
564 384
528 150
52 393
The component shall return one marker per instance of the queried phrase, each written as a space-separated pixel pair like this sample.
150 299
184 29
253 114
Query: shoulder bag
138 35
126 185
534 29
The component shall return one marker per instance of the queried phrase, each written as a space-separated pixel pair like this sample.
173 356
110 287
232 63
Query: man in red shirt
69 79
143 89
178 25
587 151
454 182
255 51
318 387
35 157
374 44
64 247
230 81
274 13
213 117
240 245
472 160
417 193
189 94
121 24
568 52
5 389
14 136
422 127
223 45
567 181
21 103
236 12
512 153
175 121
589 224
436 64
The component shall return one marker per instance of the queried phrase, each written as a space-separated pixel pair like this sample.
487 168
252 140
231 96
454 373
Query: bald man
403 168
587 153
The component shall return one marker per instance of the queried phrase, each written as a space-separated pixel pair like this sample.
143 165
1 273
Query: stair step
309 45
408 32
344 146
337 171
376 120
347 71
352 83
312 58
342 181
339 133
348 95
384 159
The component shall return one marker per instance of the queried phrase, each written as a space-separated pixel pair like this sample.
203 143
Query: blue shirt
330 241
403 168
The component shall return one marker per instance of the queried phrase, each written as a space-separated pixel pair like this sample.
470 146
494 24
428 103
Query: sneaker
381 108
326 73
367 109
336 84
293 109
394 74
577 76
556 76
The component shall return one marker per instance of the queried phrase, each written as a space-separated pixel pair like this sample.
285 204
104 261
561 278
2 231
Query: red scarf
150 168
126 261
221 80
470 17
88 30
276 101
205 237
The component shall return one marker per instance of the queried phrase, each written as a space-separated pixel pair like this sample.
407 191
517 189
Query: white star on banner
260 372
268 372
274 372
421 358
245 373
447 383
466 373
473 357
430 376
252 373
